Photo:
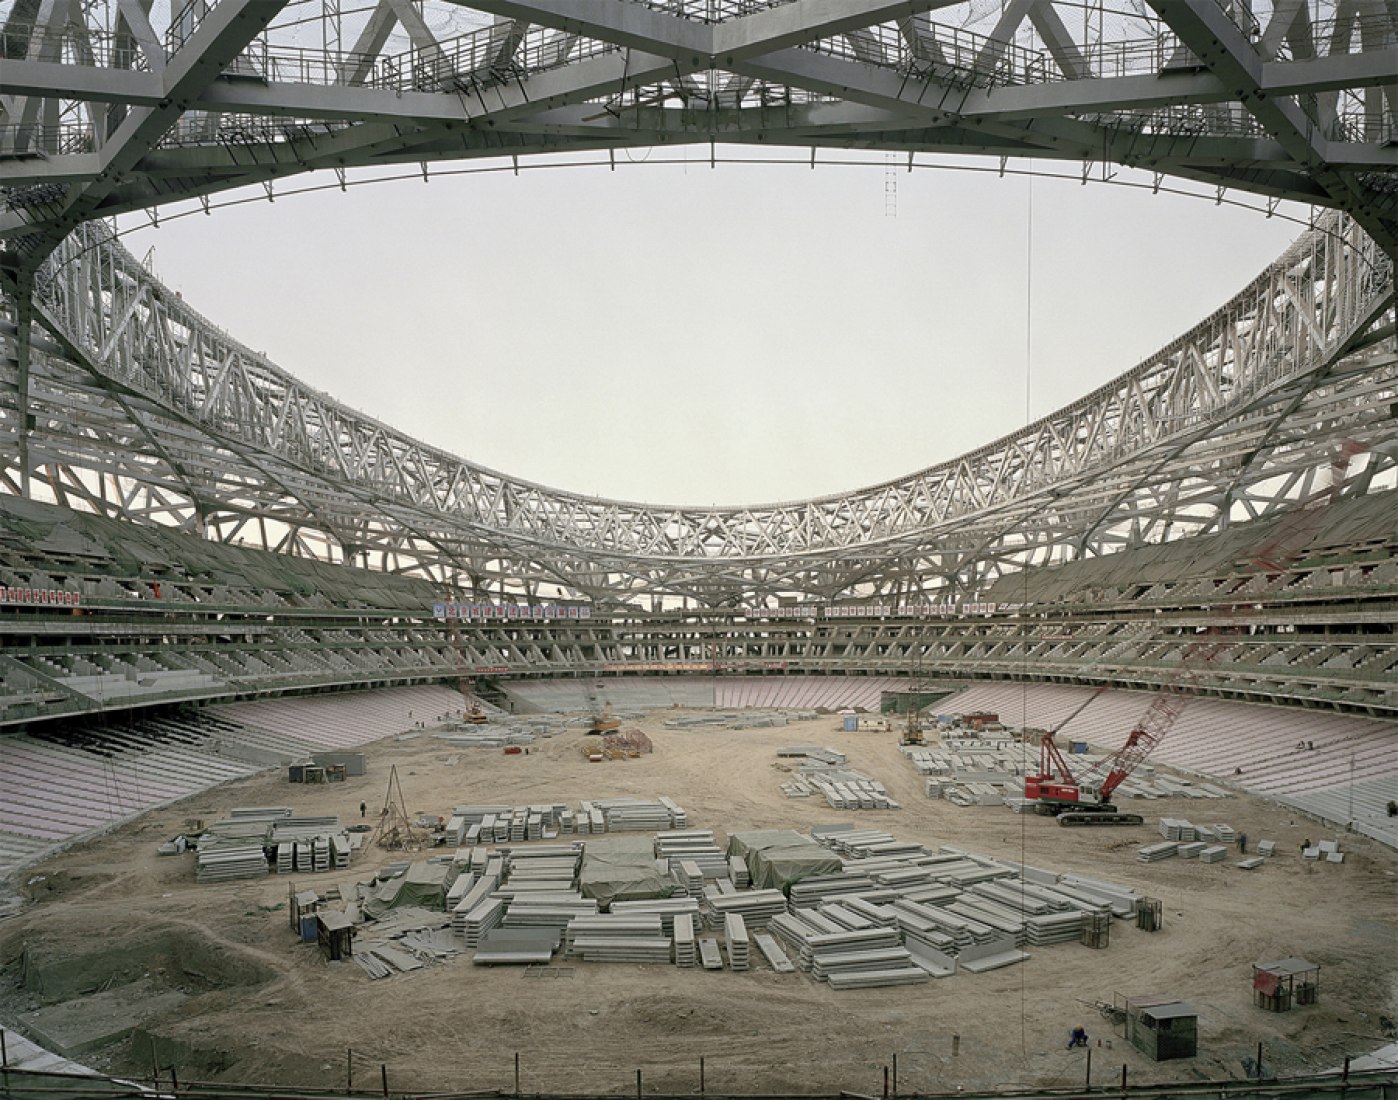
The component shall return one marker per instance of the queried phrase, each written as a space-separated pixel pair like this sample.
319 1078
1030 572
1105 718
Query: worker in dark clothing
1243 843
1078 1038
1305 844
363 809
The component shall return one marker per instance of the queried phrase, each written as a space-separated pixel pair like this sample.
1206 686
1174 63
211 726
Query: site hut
1162 1028
1277 986
335 935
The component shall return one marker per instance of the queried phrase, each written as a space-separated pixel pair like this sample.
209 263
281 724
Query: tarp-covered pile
778 857
422 885
622 868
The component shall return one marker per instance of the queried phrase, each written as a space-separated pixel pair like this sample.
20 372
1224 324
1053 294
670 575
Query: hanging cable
1024 595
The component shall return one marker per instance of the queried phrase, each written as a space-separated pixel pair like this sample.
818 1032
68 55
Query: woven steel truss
120 397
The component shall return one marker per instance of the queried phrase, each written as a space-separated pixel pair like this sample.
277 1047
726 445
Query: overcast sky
696 335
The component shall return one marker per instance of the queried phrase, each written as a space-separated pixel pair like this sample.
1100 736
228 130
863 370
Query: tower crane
1084 797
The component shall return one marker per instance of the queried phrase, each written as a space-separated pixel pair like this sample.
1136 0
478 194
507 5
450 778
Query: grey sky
682 334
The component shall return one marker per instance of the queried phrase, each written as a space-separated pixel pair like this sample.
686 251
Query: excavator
603 720
1084 798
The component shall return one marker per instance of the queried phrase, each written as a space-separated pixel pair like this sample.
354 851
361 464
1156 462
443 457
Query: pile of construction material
405 940
485 737
617 937
1327 851
855 908
970 772
470 825
842 788
693 846
822 773
622 814
237 847
699 721
631 742
814 754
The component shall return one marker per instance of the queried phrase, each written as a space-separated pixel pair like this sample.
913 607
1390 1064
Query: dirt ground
262 1007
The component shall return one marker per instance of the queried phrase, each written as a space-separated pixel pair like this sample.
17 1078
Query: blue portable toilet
851 723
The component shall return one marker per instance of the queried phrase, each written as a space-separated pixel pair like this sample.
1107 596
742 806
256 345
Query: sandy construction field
113 927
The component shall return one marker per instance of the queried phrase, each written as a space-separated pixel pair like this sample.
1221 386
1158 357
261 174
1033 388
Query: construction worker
363 809
1078 1038
1243 843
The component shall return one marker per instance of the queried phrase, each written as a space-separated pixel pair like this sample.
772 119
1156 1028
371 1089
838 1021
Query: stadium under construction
210 570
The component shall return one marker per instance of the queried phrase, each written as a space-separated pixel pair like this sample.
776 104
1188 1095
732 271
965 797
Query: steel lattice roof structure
121 398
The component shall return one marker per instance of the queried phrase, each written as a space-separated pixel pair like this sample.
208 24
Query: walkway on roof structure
130 402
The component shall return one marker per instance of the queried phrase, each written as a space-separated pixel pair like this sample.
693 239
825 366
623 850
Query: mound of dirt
170 958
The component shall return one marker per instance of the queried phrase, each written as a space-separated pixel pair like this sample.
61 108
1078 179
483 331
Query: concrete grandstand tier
1340 768
72 780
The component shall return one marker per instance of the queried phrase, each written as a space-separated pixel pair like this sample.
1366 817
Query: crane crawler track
1100 819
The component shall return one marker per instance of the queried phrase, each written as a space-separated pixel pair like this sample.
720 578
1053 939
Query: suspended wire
1024 597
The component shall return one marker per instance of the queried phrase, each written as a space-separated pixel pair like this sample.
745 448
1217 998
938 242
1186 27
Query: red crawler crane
1084 798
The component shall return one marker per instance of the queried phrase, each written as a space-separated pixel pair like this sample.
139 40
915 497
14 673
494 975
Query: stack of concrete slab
226 864
1050 928
633 814
678 818
516 947
756 907
481 919
611 924
667 909
843 789
683 939
1192 849
546 910
484 737
617 938
1153 852
990 956
847 917
698 847
807 893
1098 895
1214 853
735 934
738 872
688 877
830 944
1177 828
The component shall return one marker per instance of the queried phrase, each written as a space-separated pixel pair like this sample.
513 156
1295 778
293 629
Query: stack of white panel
756 907
683 939
735 932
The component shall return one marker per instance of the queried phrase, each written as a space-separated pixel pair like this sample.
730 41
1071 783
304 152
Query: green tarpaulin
422 885
778 857
622 869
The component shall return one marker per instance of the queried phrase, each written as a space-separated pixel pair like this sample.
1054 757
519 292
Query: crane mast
1084 798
